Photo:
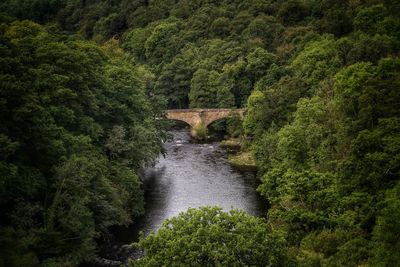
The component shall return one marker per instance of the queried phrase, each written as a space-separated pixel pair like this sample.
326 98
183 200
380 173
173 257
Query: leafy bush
210 237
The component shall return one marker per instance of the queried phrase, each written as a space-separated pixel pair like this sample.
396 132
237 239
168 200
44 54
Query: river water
193 175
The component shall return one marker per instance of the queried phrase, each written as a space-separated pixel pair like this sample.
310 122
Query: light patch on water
195 175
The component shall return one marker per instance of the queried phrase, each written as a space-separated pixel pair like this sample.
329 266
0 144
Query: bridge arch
203 117
224 114
224 119
184 115
182 122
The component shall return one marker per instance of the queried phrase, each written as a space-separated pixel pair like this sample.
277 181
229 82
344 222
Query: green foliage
368 18
258 63
274 105
211 237
105 27
200 132
161 45
221 34
334 16
291 12
134 42
328 148
220 27
318 60
210 89
320 83
364 47
75 129
174 80
386 231
234 126
366 96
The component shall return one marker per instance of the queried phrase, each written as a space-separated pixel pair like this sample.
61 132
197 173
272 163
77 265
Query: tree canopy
211 237
75 128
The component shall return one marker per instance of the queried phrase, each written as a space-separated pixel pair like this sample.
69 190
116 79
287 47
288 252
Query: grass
243 161
200 132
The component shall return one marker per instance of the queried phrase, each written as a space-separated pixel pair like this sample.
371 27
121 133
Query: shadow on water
191 175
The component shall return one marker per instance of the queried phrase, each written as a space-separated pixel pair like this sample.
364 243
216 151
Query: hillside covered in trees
76 127
83 81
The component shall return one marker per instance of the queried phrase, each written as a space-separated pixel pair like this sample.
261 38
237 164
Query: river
193 175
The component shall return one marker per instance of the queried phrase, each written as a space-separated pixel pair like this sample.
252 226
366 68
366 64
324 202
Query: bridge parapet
204 117
205 110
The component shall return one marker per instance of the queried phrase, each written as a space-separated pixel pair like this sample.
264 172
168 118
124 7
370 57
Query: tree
210 89
208 237
317 61
274 105
75 128
174 80
292 12
386 245
266 29
368 19
134 42
242 85
258 63
162 45
366 97
220 27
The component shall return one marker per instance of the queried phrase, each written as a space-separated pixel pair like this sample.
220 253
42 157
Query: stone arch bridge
202 117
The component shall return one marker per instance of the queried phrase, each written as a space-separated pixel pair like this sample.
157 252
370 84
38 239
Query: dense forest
76 127
83 81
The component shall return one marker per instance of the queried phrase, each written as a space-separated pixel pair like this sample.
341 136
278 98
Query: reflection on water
191 175
194 175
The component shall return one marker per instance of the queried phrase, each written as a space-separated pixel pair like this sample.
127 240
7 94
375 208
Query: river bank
191 175
238 157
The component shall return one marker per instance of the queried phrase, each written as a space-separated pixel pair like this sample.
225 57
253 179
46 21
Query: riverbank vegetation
199 132
320 81
243 160
210 237
75 130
